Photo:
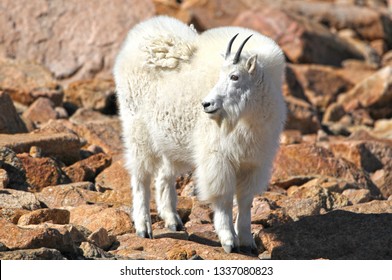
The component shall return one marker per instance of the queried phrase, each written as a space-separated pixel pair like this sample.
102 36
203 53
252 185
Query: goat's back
165 69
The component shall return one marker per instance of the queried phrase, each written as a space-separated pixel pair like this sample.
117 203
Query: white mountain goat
183 105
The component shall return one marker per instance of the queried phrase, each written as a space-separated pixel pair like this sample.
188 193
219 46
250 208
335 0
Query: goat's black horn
228 51
238 54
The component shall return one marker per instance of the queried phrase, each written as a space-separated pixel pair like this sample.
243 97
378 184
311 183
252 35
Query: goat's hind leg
141 205
166 196
140 161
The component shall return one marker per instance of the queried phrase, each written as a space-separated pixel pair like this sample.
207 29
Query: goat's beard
230 115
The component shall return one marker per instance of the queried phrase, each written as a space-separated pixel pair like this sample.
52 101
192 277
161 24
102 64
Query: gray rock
32 254
18 199
14 167
372 207
168 233
3 247
10 122
91 251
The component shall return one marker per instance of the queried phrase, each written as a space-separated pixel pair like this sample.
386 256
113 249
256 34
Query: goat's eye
234 77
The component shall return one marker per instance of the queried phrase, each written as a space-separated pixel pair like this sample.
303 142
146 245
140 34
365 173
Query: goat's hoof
144 234
174 224
230 248
175 227
249 250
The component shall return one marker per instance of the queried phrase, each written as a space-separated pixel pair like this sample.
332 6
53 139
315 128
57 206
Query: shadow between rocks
335 235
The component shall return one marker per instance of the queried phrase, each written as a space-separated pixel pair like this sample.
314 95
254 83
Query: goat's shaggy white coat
163 73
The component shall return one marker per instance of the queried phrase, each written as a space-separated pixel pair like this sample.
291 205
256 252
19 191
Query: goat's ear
251 64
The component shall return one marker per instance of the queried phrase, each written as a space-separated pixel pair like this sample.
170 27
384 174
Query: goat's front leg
243 223
223 222
216 184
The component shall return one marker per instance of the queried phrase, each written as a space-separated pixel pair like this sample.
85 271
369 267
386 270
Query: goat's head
237 80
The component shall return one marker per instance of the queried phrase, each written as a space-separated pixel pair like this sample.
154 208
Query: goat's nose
206 104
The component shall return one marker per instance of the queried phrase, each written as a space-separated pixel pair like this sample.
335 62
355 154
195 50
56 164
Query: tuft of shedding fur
167 51
163 73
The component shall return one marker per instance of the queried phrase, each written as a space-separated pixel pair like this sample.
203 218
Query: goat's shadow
335 235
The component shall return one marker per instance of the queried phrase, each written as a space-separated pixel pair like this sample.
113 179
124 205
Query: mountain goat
183 105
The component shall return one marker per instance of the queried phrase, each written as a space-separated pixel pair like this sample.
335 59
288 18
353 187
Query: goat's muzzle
209 107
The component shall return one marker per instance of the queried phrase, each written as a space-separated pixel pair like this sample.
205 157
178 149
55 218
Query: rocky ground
64 193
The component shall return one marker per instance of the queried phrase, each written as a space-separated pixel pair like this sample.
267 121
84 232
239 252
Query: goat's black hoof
144 234
177 227
230 249
249 250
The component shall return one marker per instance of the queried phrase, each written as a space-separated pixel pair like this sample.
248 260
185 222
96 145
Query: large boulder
335 235
302 40
72 38
369 24
299 163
